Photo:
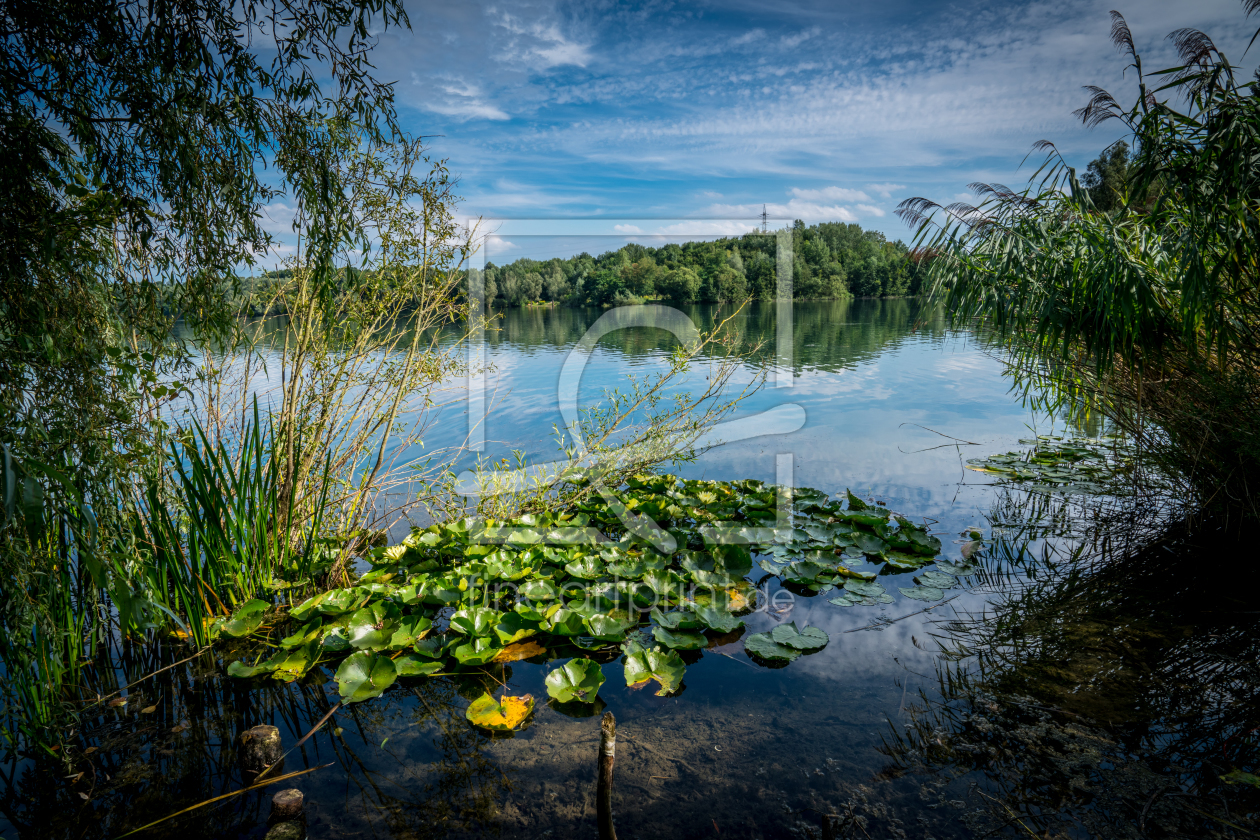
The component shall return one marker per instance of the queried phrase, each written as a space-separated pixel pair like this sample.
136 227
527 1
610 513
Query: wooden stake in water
603 790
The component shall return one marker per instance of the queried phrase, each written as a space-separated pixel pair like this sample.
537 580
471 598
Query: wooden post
603 790
286 805
260 748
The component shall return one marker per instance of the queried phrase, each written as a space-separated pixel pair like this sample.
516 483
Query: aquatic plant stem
283 778
100 700
603 789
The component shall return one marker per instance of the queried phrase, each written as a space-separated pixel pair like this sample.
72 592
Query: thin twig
100 700
889 621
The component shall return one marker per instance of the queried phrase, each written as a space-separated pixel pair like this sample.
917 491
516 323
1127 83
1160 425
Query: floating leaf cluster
1053 464
577 587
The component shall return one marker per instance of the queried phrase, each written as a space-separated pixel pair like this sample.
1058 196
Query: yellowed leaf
89 750
737 601
148 710
518 651
500 715
117 701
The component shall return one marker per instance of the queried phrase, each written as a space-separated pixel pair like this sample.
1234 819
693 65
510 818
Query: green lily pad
677 620
718 620
866 588
372 628
539 590
335 639
245 620
803 639
764 646
341 601
940 580
514 627
680 640
362 676
410 628
587 568
609 628
242 671
869 543
577 679
475 621
666 584
415 665
307 633
566 623
294 664
924 593
433 647
852 599
664 666
477 651
902 561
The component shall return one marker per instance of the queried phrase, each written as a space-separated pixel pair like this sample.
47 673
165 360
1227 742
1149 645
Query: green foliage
518 597
1145 304
830 259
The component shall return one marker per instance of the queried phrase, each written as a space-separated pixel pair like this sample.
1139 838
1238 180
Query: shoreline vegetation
831 261
159 494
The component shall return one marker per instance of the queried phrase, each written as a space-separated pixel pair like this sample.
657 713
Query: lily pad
515 627
664 666
866 588
362 676
372 628
718 620
477 651
923 593
803 639
577 679
851 599
566 623
306 633
245 620
475 621
609 628
940 580
680 640
764 646
677 620
527 649
587 568
411 628
539 590
415 665
503 715
240 670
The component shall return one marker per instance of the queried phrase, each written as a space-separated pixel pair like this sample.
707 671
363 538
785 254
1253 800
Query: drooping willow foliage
1149 313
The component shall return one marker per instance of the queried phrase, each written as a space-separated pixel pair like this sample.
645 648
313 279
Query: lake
893 405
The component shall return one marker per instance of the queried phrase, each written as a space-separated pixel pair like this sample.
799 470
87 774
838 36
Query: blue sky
649 113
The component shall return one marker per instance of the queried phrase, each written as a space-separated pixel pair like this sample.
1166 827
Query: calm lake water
893 405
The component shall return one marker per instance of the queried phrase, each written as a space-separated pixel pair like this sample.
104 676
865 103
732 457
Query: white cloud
796 40
870 210
627 229
830 194
542 44
748 37
702 228
457 97
885 190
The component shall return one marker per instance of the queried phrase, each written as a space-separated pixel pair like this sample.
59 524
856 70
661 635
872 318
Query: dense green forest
829 260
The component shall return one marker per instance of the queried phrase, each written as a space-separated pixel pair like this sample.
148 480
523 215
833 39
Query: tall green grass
173 555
